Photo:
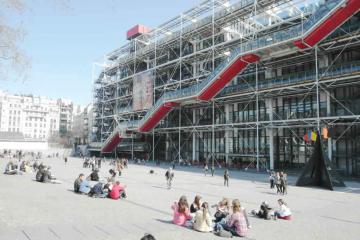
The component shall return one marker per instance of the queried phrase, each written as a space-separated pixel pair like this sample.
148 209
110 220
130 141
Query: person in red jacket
117 191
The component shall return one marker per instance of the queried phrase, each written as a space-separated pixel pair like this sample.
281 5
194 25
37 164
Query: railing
290 34
337 70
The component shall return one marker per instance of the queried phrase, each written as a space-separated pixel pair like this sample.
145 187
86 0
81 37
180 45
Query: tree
14 61
12 58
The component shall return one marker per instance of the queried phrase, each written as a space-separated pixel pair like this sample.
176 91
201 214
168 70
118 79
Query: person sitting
22 166
97 191
148 236
284 211
78 182
28 167
36 165
84 185
11 168
264 212
181 212
94 176
50 177
237 224
112 175
222 210
117 191
203 220
196 205
39 174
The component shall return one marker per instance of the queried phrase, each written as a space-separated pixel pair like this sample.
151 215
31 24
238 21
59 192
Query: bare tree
14 61
12 58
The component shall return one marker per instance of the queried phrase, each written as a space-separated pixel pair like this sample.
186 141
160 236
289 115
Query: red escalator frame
232 70
157 116
111 145
329 25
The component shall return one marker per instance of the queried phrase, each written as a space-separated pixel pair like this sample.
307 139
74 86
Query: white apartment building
35 117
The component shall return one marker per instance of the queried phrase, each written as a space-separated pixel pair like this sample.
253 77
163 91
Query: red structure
230 72
112 142
136 31
329 25
157 116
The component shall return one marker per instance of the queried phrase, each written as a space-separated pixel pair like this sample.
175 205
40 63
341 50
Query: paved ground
33 211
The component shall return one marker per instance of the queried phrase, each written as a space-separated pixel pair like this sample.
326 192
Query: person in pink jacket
237 224
181 212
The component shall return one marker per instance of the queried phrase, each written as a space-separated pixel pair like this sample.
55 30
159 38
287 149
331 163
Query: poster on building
143 91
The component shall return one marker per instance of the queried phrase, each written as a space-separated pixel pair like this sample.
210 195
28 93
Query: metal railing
290 34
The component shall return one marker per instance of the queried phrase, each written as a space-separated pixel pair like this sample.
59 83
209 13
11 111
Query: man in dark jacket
94 176
39 174
77 183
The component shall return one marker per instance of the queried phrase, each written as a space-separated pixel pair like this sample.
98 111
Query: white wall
28 146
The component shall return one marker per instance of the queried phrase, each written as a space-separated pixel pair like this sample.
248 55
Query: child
226 178
237 223
222 210
203 220
181 212
264 212
284 211
196 205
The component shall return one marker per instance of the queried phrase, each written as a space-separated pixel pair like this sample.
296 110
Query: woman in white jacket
203 219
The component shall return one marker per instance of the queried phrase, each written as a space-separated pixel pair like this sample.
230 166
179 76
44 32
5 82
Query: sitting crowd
227 221
111 189
44 175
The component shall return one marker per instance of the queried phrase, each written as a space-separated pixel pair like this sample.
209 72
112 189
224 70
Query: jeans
223 225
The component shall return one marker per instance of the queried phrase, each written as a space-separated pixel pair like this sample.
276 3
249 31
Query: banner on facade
143 91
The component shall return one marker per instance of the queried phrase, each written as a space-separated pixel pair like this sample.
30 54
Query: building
67 109
239 83
82 125
35 117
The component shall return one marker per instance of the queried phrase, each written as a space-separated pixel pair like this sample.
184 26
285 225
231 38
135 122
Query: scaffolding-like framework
187 49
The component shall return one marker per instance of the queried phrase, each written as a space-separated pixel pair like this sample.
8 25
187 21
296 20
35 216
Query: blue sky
63 43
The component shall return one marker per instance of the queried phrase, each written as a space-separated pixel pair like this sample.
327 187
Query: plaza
35 211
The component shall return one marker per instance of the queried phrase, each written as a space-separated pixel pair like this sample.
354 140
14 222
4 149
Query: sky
64 42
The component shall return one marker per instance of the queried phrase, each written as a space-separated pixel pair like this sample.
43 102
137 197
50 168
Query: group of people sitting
267 213
11 168
278 179
230 219
112 189
44 174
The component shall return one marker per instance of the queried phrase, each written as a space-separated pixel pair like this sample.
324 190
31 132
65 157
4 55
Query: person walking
278 183
65 159
206 168
212 170
272 180
169 177
226 178
99 163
